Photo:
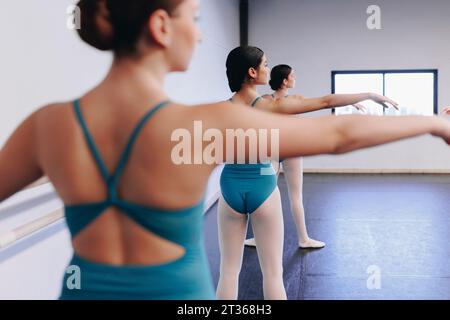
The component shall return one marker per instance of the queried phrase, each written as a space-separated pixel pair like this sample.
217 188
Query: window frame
435 73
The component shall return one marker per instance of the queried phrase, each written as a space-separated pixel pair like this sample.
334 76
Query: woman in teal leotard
282 79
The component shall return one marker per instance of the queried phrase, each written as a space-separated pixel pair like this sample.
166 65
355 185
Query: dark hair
118 24
278 74
239 60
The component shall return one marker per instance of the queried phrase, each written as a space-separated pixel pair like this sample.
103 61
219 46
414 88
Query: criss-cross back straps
113 179
90 141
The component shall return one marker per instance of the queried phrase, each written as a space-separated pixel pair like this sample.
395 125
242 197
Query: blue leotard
245 187
187 277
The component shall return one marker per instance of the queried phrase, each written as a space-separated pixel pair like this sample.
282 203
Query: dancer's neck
247 94
281 93
137 78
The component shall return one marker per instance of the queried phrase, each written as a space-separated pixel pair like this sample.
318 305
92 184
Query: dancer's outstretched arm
298 104
332 135
358 106
20 166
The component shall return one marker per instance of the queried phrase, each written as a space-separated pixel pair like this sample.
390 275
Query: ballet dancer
282 78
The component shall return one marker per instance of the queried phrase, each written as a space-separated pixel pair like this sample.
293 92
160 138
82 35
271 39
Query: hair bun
278 74
96 28
234 80
273 85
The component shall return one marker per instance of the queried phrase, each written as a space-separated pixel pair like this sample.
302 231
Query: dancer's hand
446 111
384 101
360 107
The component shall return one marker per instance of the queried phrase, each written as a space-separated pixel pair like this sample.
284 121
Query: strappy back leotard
187 277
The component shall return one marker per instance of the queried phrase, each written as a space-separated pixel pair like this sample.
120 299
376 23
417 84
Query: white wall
42 62
206 79
317 36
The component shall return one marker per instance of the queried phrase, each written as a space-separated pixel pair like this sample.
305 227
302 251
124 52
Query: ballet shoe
250 242
311 244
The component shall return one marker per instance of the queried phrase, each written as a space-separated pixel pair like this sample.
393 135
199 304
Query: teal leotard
185 278
245 187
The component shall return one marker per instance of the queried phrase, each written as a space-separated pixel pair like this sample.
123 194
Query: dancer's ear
159 28
252 73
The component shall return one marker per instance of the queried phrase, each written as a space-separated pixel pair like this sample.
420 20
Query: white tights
267 225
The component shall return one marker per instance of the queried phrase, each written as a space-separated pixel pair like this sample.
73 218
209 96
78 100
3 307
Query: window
414 90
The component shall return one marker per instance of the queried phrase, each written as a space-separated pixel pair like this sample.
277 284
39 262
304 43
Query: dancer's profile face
263 72
186 34
291 80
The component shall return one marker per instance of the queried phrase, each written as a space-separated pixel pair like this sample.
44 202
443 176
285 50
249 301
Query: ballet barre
10 237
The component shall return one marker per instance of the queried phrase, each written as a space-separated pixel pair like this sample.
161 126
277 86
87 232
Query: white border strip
378 171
